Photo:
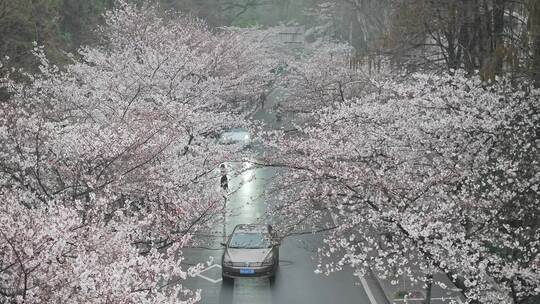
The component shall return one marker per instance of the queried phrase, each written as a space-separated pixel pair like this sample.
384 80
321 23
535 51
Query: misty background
491 36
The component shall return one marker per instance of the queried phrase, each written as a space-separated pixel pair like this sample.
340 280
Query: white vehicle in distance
235 136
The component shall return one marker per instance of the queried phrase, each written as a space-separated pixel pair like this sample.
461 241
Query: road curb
379 286
370 272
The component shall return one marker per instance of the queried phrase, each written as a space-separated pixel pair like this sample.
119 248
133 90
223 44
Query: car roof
251 228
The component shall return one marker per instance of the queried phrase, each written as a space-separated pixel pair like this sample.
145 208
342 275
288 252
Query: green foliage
25 21
246 23
79 18
64 25
400 294
59 25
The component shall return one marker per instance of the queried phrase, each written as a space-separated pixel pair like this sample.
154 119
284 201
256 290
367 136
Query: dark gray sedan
251 251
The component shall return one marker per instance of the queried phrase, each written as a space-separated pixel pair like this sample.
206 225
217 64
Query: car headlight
269 260
227 260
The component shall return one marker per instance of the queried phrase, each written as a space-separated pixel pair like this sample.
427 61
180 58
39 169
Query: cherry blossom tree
105 164
430 173
322 76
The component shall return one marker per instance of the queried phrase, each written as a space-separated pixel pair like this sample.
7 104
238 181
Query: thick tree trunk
429 283
480 24
451 36
498 28
535 36
466 34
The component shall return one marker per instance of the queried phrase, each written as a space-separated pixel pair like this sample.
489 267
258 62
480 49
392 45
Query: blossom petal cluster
105 164
425 174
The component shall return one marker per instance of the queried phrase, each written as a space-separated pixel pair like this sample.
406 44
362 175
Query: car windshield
249 240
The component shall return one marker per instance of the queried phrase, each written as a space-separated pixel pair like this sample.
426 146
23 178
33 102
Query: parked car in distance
235 136
251 251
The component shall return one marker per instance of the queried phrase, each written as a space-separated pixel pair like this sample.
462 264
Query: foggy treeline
489 36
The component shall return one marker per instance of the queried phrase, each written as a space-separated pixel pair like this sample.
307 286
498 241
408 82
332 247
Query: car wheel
226 280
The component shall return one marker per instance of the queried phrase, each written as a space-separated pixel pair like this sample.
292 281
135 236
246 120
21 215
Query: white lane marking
199 274
368 291
457 299
362 279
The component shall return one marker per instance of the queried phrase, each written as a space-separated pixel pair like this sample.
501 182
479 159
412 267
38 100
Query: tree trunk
453 51
498 28
535 36
429 283
466 35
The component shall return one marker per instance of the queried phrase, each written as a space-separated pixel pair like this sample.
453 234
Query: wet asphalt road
295 281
